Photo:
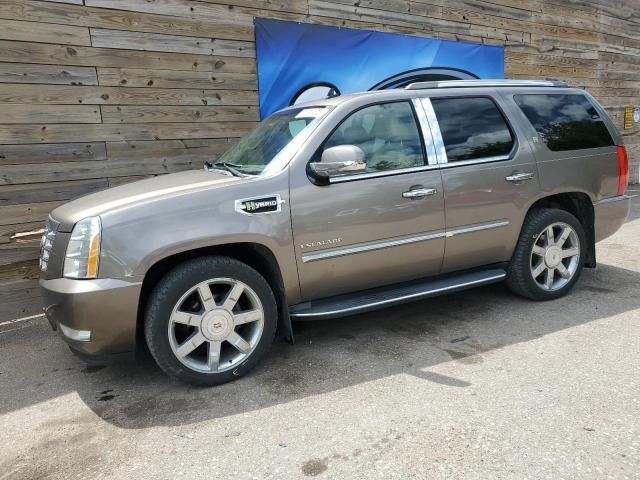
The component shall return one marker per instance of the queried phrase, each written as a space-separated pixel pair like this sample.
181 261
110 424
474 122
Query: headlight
83 251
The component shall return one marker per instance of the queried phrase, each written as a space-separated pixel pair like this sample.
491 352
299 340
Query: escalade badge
254 206
321 243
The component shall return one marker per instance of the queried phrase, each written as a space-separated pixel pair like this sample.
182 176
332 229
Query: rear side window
565 122
472 128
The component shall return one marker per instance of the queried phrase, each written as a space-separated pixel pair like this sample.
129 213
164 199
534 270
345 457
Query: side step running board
367 300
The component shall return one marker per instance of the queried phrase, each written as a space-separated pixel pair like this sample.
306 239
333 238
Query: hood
136 193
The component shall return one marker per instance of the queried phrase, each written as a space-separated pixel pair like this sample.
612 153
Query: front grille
53 248
47 243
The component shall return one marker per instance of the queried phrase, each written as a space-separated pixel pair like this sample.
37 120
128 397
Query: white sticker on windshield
310 112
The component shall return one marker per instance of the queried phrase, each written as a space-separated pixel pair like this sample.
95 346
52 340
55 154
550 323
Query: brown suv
334 208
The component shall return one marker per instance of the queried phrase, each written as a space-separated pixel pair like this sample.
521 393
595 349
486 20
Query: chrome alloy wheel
216 325
555 256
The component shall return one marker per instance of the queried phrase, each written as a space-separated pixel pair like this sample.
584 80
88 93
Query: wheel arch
580 205
256 255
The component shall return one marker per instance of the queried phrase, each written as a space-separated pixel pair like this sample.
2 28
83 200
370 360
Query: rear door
489 176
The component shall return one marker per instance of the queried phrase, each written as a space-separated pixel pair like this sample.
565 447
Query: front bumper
610 214
99 316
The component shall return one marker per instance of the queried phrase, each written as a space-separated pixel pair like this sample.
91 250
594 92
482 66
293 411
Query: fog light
77 335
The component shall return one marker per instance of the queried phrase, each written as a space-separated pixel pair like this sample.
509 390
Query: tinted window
472 128
565 122
387 134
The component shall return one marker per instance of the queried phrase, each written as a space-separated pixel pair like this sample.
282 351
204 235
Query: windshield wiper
228 167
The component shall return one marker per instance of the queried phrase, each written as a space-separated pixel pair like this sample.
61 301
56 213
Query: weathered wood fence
94 93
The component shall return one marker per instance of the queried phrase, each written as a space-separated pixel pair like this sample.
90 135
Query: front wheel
550 255
210 320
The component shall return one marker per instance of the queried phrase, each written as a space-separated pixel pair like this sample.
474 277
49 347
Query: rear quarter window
565 121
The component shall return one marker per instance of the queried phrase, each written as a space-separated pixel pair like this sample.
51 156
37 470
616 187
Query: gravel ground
479 384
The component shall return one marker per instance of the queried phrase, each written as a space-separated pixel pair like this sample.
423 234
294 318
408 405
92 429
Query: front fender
135 239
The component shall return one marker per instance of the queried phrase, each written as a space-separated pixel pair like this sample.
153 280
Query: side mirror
338 161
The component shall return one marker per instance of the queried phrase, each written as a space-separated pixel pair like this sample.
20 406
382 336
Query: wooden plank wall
95 93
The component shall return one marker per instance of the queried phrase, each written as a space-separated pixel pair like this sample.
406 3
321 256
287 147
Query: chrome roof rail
485 83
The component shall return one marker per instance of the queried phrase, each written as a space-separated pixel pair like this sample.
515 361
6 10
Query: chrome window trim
383 173
369 247
425 128
475 161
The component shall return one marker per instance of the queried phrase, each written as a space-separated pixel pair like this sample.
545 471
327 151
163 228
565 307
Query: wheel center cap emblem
217 325
552 257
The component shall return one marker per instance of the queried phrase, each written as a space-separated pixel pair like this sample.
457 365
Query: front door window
387 133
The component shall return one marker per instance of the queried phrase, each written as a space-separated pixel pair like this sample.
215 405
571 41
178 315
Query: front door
380 226
489 176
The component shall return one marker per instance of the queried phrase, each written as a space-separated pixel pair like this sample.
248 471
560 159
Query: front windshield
259 147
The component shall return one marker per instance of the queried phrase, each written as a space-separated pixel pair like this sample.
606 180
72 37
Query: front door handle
519 177
419 192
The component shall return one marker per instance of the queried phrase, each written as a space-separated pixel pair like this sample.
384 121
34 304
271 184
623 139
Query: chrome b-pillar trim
425 127
438 142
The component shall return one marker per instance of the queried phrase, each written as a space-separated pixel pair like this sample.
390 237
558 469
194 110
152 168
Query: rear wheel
550 255
209 320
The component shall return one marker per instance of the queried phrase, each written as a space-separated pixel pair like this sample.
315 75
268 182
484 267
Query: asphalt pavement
478 385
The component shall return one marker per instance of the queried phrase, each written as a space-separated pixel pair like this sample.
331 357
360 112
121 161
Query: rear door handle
419 192
519 177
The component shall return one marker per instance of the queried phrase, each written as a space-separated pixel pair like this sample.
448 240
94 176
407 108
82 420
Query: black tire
519 275
174 285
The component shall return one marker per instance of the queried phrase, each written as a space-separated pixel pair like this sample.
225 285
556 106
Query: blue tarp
294 55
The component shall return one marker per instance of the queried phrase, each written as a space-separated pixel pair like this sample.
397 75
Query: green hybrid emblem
252 206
